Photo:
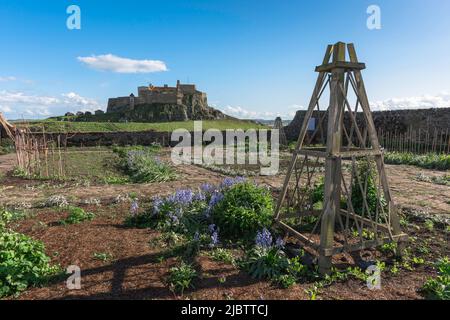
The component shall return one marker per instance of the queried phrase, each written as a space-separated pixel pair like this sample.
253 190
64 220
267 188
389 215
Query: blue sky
255 59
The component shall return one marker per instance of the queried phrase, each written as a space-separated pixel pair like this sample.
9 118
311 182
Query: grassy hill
55 126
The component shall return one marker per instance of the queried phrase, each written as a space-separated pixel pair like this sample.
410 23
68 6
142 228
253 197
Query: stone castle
180 103
185 94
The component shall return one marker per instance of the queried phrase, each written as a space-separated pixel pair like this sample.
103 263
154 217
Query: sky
254 58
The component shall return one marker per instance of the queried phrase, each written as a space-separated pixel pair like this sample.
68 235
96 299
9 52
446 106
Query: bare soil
137 269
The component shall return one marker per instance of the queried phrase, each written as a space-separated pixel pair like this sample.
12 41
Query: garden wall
399 121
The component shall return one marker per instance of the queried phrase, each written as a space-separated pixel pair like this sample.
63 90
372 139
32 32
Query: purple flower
214 239
200 196
264 239
207 188
215 199
157 204
279 243
134 208
229 182
196 236
182 197
212 228
174 218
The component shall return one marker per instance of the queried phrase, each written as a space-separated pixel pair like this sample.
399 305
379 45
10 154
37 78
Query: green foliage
428 161
262 263
244 209
222 255
273 264
429 224
77 215
103 256
363 168
366 169
181 277
285 281
23 263
439 287
6 146
142 166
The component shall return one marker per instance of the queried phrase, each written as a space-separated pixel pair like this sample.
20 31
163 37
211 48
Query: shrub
143 166
244 209
77 215
23 263
263 263
181 277
439 287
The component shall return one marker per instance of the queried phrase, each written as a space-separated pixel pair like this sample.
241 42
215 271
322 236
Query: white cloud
239 112
5 79
5 109
110 62
18 104
441 100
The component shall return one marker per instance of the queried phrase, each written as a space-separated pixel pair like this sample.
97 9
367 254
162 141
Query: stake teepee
347 206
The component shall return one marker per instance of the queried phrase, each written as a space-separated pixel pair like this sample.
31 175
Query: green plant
285 280
244 209
116 180
263 263
364 184
23 263
77 215
142 166
181 277
222 255
429 224
103 256
428 161
439 287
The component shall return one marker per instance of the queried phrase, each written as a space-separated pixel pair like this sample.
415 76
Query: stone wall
145 138
388 121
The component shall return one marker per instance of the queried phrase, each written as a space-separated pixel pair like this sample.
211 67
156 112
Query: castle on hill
182 94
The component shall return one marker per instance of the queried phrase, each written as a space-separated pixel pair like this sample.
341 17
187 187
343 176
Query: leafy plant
23 263
262 263
222 255
181 277
285 280
365 178
103 256
428 161
142 165
244 209
439 287
77 215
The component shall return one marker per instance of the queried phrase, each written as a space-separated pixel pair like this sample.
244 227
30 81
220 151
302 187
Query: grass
55 126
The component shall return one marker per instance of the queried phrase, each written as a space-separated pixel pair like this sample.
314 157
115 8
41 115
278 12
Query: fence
416 141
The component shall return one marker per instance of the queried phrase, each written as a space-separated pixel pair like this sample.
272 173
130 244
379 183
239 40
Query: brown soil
137 270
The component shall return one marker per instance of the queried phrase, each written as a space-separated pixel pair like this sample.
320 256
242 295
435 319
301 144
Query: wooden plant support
339 227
